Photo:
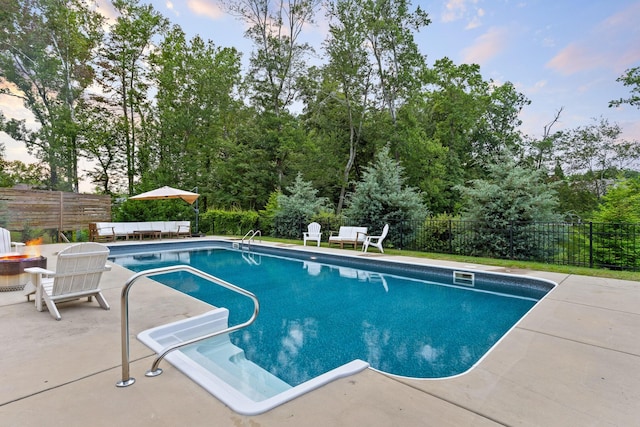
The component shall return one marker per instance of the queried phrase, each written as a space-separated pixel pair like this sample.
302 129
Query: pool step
228 362
216 356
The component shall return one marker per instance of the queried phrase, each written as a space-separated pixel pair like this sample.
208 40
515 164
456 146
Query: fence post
511 239
590 244
450 236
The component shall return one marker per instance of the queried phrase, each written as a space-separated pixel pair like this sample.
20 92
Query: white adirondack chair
78 272
6 245
313 233
375 241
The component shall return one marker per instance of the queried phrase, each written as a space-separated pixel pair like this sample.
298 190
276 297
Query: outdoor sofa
126 230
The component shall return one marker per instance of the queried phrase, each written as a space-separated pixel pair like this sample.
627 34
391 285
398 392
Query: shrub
223 222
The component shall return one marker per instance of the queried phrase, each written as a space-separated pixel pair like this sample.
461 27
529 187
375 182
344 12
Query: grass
506 263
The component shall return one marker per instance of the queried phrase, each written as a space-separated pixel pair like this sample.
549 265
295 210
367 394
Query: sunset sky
559 54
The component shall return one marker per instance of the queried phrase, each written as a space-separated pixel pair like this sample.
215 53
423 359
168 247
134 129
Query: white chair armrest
39 270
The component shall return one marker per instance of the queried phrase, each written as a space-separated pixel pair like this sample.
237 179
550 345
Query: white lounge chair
78 272
375 241
313 233
6 245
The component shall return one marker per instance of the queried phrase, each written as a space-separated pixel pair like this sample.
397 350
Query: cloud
454 10
476 21
106 9
462 9
170 6
612 44
207 8
486 46
537 87
572 59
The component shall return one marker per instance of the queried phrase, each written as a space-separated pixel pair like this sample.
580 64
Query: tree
276 65
510 196
450 111
101 142
348 83
46 51
630 78
540 154
389 26
595 154
278 60
498 126
297 208
620 214
195 113
381 197
123 76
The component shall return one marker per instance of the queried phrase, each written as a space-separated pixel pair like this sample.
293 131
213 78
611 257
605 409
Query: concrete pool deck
574 360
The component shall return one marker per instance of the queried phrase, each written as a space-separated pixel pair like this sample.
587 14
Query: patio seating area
574 360
111 231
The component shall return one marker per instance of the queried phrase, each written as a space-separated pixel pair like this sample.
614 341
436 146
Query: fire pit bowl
12 275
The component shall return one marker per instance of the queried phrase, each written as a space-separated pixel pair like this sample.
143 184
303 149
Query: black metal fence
585 244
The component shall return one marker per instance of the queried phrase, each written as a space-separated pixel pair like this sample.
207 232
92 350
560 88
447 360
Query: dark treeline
147 106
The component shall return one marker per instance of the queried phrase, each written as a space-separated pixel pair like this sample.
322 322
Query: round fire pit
12 275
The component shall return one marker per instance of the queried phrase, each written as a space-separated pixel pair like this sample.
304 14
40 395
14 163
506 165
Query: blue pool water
316 316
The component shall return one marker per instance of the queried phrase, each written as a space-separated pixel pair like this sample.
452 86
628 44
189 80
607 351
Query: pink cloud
572 59
206 8
614 44
486 46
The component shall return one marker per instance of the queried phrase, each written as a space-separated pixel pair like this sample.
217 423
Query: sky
560 54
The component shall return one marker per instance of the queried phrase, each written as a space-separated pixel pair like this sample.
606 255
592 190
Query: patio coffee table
155 234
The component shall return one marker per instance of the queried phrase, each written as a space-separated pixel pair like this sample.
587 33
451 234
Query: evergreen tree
381 197
296 209
504 208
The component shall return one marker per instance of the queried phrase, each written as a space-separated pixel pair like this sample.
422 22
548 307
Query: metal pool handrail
127 380
251 234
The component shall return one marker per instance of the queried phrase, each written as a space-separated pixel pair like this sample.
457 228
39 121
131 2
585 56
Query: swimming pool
321 311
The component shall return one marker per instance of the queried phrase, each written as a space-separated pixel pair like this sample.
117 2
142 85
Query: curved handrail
127 380
251 234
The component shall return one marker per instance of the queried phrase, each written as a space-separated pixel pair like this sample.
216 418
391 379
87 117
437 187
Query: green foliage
437 234
594 154
188 148
16 172
268 214
381 197
229 222
47 52
630 78
620 233
27 233
296 209
153 210
510 195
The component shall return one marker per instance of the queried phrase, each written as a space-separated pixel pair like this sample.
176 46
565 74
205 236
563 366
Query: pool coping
574 360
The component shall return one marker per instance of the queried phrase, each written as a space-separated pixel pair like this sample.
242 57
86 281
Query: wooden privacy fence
20 209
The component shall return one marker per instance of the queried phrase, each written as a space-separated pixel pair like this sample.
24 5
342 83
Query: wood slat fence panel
51 209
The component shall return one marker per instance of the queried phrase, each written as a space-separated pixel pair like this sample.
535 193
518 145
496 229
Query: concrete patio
574 360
